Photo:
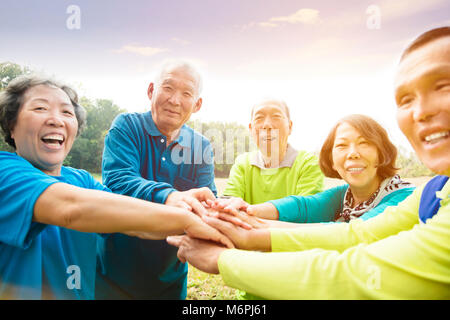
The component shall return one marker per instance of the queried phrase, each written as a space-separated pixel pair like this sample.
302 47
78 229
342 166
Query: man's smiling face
423 99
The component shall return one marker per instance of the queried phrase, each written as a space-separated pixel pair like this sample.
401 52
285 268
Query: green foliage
410 165
9 71
87 150
228 141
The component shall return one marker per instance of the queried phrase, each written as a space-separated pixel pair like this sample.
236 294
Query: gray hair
11 99
184 65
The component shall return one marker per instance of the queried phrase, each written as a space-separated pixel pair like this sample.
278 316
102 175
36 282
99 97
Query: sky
325 59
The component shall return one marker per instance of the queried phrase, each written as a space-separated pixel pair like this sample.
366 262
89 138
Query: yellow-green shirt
298 174
391 256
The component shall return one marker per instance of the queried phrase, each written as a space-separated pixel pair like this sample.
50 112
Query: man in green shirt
403 253
276 169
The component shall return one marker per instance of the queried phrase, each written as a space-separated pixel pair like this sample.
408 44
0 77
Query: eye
187 94
405 100
443 85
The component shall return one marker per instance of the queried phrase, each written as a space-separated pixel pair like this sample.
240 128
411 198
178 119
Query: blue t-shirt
137 162
39 261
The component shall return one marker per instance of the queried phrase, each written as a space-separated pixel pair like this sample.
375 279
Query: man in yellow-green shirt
403 253
276 169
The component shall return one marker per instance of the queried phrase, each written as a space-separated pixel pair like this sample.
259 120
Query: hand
236 220
191 199
264 210
203 255
242 219
255 239
197 228
232 205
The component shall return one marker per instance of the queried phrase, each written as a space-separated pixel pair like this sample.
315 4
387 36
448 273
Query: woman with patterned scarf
358 151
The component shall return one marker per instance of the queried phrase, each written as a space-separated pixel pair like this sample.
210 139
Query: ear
198 105
150 90
290 127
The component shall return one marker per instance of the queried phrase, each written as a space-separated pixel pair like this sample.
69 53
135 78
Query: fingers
175 240
234 220
251 210
196 206
223 226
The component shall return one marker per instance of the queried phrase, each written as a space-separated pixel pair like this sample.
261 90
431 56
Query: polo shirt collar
184 135
288 161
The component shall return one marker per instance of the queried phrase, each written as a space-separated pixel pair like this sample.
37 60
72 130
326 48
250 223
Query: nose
174 98
425 108
353 152
267 123
55 120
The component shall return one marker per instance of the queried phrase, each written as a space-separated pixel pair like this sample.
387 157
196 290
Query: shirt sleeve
320 207
392 199
236 181
121 166
310 179
21 185
341 236
413 264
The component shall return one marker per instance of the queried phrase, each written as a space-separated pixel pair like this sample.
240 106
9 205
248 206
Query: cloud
181 41
140 50
304 16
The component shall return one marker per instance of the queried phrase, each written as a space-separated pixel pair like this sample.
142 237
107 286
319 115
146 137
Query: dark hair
425 38
11 99
373 132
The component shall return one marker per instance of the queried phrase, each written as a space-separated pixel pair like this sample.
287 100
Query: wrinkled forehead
180 75
432 59
269 107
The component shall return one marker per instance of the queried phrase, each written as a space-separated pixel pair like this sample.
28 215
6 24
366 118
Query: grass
204 286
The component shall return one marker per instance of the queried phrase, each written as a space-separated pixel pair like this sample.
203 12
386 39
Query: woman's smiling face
46 128
355 159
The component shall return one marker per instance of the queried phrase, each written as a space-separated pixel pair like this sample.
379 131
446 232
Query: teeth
435 136
355 169
54 137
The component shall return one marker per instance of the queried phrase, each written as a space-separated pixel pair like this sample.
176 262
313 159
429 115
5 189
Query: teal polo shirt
138 163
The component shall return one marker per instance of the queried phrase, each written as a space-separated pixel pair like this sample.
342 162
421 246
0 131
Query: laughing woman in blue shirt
50 213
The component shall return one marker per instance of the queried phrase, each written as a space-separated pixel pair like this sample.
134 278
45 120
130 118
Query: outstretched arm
97 211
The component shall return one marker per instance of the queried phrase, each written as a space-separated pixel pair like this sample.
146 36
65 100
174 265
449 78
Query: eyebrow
47 101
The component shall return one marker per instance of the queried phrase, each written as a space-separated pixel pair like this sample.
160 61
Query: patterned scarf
388 186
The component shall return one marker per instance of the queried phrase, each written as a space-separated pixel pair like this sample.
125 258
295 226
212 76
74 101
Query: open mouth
437 137
53 140
355 169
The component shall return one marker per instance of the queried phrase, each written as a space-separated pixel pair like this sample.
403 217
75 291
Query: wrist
258 240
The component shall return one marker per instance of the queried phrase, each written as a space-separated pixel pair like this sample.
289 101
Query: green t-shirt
299 176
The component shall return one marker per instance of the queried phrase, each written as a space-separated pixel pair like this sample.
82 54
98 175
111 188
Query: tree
228 141
9 71
410 166
87 150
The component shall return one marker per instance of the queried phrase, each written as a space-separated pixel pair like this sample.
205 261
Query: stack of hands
236 220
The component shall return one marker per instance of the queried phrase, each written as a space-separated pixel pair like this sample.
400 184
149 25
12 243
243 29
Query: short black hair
425 38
